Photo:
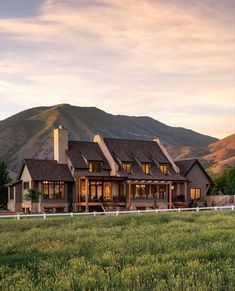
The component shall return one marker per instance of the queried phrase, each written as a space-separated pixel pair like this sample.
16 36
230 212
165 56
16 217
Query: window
195 193
26 185
107 191
95 167
146 168
12 192
140 191
127 167
53 190
164 169
100 191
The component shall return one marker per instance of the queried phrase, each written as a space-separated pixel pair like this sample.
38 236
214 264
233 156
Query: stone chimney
60 145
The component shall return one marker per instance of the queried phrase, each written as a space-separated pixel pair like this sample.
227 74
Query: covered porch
100 193
144 194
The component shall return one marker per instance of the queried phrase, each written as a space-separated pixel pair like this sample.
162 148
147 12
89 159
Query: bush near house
32 195
224 183
171 251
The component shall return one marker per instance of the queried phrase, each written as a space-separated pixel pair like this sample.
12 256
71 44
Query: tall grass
171 251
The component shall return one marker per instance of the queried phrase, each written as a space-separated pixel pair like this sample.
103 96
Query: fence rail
18 216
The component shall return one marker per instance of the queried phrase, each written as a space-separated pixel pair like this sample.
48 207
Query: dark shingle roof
185 165
81 151
137 152
47 170
127 150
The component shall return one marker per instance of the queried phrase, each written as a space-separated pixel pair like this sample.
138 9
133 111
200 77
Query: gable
197 172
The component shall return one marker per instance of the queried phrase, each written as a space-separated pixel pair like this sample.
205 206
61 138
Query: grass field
171 251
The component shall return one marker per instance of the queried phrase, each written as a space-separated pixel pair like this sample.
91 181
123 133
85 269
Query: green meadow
163 251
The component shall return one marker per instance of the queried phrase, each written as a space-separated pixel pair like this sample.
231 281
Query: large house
107 174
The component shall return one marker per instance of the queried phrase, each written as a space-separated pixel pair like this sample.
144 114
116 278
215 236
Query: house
199 181
106 174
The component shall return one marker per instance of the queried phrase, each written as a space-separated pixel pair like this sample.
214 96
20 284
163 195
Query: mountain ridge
29 134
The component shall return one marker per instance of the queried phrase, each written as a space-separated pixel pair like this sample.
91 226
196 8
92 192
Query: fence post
215 208
18 216
179 209
156 210
197 209
44 215
117 213
232 207
138 211
71 214
94 213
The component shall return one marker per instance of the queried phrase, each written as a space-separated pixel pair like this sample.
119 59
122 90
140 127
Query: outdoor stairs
180 205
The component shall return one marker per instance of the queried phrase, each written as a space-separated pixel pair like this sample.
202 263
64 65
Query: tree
32 195
4 179
224 182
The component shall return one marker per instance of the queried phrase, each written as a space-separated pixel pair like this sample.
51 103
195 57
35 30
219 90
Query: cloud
151 57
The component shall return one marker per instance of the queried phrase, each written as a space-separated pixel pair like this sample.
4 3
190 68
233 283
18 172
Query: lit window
95 167
53 190
164 169
127 167
146 168
195 193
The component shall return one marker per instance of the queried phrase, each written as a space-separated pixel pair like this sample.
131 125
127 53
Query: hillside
215 157
29 133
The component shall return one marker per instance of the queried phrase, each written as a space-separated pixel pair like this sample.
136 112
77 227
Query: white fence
18 216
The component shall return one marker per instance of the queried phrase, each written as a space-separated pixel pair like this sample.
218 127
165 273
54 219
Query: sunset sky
173 60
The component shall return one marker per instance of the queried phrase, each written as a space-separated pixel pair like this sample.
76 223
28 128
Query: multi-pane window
145 168
141 191
53 190
95 167
26 185
195 193
164 169
127 167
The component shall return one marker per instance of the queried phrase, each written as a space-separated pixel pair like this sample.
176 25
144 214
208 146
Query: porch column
170 195
78 194
129 195
178 189
158 192
86 183
186 191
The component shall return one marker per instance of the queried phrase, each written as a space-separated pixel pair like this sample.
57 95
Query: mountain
29 134
215 157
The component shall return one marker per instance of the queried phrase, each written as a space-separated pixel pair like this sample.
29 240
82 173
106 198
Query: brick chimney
60 145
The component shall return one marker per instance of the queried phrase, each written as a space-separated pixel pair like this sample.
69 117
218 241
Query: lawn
167 251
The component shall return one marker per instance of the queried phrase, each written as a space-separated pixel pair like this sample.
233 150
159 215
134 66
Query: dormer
146 168
126 167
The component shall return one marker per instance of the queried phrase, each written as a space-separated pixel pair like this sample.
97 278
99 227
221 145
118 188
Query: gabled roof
81 151
186 165
137 152
129 150
50 170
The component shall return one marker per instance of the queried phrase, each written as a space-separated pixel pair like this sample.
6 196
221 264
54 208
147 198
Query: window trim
94 167
196 196
165 166
61 194
144 167
24 185
127 167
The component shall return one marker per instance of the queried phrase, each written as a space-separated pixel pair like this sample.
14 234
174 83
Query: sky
173 60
